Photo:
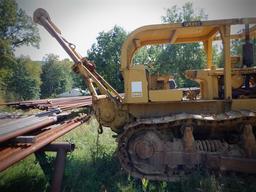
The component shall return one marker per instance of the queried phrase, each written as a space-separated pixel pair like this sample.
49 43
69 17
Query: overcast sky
81 20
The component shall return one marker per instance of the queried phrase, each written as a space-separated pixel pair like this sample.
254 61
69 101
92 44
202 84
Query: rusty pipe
59 165
54 147
18 132
51 135
52 103
58 173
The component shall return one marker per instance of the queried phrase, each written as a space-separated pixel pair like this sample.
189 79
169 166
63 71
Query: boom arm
81 64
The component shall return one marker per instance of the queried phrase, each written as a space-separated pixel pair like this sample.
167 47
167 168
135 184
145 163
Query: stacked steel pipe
24 136
11 152
65 103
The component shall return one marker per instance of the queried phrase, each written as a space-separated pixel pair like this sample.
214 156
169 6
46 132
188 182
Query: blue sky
81 20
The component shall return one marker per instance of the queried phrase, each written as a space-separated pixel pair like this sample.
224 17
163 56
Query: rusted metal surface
59 145
25 139
11 153
21 126
20 137
245 165
58 170
59 164
166 148
46 104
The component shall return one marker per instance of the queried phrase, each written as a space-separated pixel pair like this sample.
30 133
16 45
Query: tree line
23 79
20 77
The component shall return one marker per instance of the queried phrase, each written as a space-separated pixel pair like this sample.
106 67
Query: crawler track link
166 147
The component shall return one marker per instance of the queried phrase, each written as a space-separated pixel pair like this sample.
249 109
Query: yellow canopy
187 32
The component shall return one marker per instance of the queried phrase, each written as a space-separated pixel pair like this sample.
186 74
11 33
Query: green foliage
17 27
8 9
186 13
7 61
25 176
106 55
175 59
145 183
149 56
94 166
56 76
19 78
78 81
25 79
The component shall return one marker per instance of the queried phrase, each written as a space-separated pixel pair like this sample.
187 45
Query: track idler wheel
145 151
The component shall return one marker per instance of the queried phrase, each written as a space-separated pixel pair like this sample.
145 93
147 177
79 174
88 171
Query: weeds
93 166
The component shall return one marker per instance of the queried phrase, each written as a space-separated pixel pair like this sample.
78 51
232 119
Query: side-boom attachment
81 64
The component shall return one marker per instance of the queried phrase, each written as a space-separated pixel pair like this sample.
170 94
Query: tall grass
93 166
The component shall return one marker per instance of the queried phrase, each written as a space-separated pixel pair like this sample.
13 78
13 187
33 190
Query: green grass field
93 166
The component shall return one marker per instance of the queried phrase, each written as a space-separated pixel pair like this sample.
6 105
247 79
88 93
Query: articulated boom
81 64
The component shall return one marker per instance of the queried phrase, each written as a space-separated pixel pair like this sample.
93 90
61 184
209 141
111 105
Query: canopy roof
187 32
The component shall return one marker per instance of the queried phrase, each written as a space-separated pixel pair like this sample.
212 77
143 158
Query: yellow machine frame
161 131
178 33
140 99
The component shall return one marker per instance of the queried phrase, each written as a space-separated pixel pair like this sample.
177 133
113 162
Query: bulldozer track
134 156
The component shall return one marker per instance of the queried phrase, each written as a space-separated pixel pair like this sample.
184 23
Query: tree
78 81
186 13
148 56
175 59
17 27
106 55
56 76
7 63
25 82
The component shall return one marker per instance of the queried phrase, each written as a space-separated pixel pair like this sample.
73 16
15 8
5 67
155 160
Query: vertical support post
249 141
208 51
59 164
58 170
225 34
188 139
247 54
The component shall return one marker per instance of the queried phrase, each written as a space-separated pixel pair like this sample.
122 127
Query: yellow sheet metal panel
136 85
165 95
244 104
225 33
208 83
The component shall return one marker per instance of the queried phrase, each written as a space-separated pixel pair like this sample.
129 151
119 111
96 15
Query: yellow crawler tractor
162 134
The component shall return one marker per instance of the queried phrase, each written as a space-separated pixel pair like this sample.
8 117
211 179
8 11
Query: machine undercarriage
168 147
